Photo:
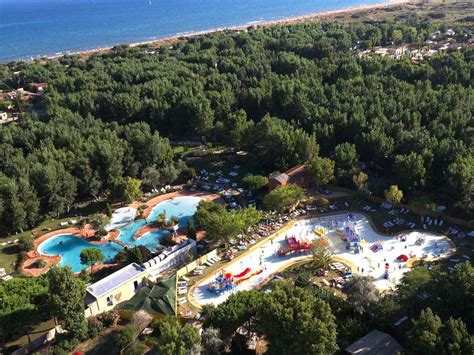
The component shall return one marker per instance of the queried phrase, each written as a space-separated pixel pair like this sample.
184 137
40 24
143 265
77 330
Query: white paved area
121 217
368 262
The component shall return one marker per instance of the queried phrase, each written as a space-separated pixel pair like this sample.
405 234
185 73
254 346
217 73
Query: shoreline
242 27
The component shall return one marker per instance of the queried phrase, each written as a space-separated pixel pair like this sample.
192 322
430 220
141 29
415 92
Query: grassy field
456 12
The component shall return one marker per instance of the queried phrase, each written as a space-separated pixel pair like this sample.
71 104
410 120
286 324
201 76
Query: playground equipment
420 241
376 247
293 245
402 258
244 277
221 283
226 281
320 232
350 234
387 267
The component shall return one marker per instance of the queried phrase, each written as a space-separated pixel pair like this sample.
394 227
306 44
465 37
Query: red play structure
293 245
246 274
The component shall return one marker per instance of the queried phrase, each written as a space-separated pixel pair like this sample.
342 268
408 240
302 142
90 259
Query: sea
34 28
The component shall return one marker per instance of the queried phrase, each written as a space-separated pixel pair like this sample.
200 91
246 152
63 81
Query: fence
194 264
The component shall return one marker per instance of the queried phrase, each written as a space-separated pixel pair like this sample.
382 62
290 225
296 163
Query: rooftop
114 280
295 170
282 178
374 343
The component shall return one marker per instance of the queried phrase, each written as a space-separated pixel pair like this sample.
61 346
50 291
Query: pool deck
367 262
88 233
158 199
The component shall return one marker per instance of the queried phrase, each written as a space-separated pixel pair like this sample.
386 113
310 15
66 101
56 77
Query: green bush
322 202
40 263
94 326
26 243
109 318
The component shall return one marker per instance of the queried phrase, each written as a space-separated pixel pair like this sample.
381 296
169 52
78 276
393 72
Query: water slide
248 276
243 273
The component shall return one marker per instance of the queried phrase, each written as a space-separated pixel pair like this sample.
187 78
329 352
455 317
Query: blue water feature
182 207
30 28
69 247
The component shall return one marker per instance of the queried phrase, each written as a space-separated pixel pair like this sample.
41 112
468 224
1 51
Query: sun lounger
185 278
325 282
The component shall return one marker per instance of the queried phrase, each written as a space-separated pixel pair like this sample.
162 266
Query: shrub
191 230
125 337
26 243
108 210
437 15
322 202
101 232
94 326
423 203
188 173
65 344
40 263
85 276
137 349
109 318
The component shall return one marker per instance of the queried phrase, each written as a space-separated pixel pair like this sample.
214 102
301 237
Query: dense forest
284 93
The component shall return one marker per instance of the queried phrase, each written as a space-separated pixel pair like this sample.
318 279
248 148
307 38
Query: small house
296 175
375 343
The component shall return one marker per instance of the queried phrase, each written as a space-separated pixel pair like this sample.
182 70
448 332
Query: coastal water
30 28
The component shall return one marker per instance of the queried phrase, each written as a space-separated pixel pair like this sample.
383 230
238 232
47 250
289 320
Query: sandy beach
283 21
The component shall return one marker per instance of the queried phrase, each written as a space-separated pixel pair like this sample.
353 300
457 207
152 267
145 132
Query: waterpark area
124 230
353 241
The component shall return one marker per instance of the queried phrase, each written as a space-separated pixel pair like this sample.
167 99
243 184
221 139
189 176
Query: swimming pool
69 247
182 207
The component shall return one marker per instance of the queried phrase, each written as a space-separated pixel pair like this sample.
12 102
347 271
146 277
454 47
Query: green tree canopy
127 189
424 335
175 339
222 224
361 293
254 182
297 322
321 170
283 197
90 256
393 194
66 300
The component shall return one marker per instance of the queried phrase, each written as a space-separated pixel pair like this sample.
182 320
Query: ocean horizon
34 28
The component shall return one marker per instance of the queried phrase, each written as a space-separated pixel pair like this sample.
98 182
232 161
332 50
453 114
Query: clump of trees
221 224
286 94
428 334
283 197
291 318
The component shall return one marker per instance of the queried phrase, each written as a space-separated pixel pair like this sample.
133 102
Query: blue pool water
29 28
182 207
69 247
